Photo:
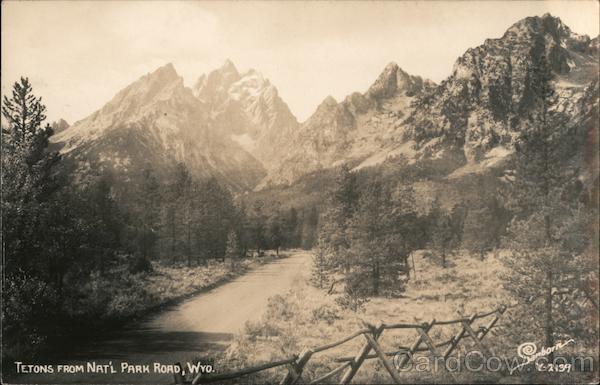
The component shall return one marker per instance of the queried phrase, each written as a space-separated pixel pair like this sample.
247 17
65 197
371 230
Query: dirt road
195 328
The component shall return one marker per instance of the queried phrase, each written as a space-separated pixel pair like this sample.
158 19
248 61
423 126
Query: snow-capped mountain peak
247 107
251 84
157 122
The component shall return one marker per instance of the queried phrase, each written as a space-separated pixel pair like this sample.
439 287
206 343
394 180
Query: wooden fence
372 334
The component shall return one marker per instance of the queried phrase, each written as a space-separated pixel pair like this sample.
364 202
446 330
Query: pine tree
242 228
213 214
104 220
478 236
275 232
258 227
546 236
189 212
408 224
309 233
233 248
458 215
346 194
337 219
441 233
28 180
381 239
290 228
320 269
176 194
149 213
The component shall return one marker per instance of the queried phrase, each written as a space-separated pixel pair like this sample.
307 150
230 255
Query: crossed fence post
371 333
381 354
360 357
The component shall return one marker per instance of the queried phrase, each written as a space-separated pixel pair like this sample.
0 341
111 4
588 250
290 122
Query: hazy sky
79 54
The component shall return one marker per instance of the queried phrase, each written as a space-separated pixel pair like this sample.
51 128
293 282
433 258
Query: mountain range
235 126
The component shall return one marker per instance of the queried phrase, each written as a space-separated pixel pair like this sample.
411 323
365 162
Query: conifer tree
28 181
546 269
320 269
149 213
233 248
335 230
290 228
275 232
441 234
176 194
258 227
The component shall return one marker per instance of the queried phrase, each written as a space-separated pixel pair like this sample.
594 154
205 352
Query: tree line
373 224
541 213
59 227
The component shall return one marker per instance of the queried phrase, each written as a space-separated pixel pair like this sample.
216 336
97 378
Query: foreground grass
308 317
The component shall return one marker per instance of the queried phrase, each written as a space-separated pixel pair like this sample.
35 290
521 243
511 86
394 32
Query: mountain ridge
234 124
156 122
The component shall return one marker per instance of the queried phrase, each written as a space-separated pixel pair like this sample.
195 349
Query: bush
325 313
261 329
29 312
139 264
279 308
354 296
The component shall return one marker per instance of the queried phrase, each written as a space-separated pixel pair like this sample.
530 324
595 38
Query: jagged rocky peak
489 96
228 67
526 42
59 126
161 85
328 102
352 130
166 72
551 28
153 82
549 36
217 82
394 80
161 76
250 84
385 85
329 109
246 107
150 96
540 24
157 121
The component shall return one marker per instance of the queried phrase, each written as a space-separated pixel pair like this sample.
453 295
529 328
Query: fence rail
350 365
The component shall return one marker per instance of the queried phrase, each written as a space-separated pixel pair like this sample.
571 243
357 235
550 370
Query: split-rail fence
372 334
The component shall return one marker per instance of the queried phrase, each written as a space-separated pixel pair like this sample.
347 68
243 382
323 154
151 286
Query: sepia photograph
300 192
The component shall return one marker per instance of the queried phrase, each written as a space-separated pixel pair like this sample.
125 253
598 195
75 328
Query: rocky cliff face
247 108
353 130
478 111
154 123
471 118
59 126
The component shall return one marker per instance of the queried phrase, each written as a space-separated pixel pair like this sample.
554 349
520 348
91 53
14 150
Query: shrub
139 264
30 308
325 313
280 308
354 296
260 329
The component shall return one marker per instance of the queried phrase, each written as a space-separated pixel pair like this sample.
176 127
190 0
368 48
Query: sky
79 54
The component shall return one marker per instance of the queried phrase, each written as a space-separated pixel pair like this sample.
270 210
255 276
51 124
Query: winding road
195 328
